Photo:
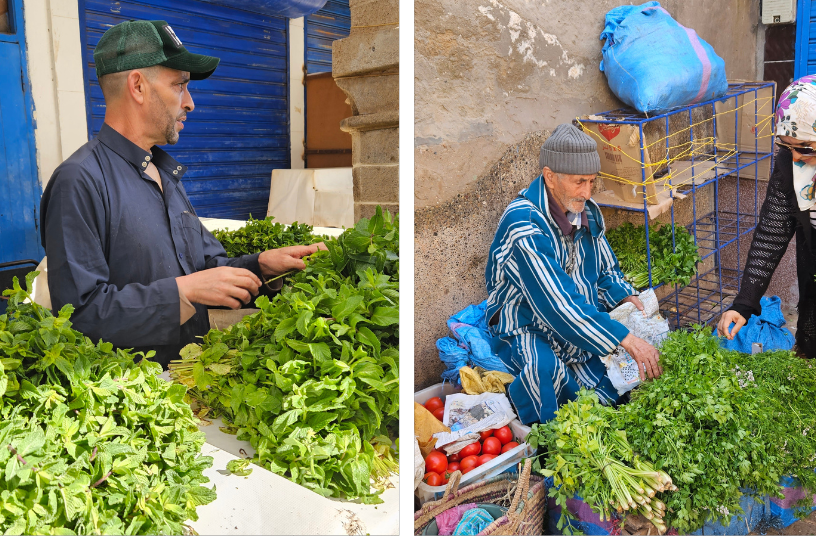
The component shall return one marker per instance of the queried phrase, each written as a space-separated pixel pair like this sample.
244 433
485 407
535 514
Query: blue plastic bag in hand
472 344
766 329
652 63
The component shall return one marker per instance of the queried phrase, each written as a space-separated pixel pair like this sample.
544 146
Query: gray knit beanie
569 150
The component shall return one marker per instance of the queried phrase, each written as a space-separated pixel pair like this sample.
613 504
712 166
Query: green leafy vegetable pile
596 458
669 265
263 234
720 423
90 442
312 380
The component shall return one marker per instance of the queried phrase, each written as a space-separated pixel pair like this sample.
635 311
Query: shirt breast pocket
191 226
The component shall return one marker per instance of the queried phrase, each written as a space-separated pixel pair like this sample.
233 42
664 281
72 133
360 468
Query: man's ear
137 86
549 176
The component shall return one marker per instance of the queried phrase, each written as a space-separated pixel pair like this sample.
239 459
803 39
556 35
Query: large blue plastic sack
472 344
766 329
652 63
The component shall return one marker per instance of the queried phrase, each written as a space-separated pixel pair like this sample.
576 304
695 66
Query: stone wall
492 78
365 66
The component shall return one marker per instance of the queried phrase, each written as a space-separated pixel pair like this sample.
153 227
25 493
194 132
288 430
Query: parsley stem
280 276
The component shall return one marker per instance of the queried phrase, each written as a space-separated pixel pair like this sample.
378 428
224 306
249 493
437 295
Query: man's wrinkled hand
220 286
635 300
281 260
645 354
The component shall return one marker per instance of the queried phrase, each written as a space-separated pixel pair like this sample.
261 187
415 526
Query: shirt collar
137 156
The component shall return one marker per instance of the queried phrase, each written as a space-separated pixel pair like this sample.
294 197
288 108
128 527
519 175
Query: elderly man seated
551 281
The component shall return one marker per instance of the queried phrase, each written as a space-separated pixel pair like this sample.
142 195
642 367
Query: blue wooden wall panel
20 188
239 130
805 58
332 22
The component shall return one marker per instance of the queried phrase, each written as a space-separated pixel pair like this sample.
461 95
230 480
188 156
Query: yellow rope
686 150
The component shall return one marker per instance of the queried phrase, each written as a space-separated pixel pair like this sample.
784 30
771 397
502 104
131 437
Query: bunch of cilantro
312 380
674 259
263 234
90 442
722 424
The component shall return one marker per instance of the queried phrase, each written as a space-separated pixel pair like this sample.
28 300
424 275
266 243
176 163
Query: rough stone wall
492 77
365 66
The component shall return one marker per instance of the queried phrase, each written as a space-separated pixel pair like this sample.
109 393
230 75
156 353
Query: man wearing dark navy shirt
124 245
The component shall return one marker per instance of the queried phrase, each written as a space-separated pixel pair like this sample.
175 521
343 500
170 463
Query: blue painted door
332 21
805 63
20 190
239 130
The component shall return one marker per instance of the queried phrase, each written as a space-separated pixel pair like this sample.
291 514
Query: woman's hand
729 317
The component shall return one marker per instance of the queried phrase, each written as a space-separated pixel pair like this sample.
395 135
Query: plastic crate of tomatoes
498 451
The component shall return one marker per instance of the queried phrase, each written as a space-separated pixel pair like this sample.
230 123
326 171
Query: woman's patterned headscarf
796 118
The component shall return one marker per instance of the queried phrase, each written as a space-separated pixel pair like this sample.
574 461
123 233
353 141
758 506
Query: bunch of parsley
674 259
263 234
312 380
724 423
91 442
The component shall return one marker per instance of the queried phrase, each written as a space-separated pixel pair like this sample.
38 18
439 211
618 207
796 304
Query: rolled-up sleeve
555 299
612 287
78 273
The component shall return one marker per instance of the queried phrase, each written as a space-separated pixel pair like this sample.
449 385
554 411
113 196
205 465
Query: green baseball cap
134 44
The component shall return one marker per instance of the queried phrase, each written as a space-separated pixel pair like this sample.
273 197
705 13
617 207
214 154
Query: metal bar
645 201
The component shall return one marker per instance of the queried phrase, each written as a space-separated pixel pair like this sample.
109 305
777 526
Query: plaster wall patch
526 46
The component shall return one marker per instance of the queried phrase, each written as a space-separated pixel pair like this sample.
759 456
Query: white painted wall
54 51
297 92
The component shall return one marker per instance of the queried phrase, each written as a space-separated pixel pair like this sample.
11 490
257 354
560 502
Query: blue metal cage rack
727 226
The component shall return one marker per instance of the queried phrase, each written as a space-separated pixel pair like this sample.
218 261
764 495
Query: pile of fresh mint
674 257
312 380
90 441
264 234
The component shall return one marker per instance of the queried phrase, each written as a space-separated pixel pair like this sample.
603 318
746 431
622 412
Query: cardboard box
749 171
751 119
619 147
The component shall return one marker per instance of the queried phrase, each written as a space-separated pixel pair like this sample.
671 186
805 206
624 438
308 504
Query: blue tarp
472 344
766 329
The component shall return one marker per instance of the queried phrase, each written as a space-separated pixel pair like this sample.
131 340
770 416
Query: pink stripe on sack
701 54
698 48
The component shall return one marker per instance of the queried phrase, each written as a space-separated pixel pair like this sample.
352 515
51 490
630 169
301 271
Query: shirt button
181 256
147 158
175 172
178 168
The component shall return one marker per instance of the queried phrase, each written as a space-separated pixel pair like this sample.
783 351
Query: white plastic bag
419 465
648 325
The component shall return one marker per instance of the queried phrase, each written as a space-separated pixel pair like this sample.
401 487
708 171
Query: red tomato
485 434
491 445
433 479
439 413
434 403
484 458
509 446
471 450
453 466
468 463
436 462
504 435
454 457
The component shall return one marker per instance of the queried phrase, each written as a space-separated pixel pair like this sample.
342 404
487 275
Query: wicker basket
527 496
